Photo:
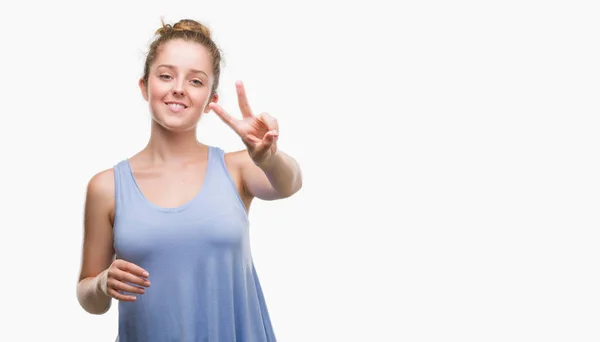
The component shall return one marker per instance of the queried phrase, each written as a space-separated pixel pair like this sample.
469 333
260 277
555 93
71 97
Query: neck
166 146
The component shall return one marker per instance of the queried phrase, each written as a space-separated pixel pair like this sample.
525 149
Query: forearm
91 297
284 174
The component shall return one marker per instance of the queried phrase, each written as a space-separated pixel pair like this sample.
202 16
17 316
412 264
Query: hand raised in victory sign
259 133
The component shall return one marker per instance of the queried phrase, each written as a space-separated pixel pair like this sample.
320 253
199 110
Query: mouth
175 107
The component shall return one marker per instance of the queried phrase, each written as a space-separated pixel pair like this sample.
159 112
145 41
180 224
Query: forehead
184 55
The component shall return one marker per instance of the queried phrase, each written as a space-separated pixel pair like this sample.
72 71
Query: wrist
268 163
100 283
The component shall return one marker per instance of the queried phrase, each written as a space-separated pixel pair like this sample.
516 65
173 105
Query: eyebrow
173 67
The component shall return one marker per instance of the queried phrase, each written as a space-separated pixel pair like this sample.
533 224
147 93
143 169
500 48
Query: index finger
133 269
225 117
243 100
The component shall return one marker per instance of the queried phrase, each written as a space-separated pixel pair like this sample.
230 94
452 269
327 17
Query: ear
143 88
214 99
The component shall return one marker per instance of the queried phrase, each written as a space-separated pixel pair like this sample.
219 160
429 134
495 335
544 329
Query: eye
165 77
197 82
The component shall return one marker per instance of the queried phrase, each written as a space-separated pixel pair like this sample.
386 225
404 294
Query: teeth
176 105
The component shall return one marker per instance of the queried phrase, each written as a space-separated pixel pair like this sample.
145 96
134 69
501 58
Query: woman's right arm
98 252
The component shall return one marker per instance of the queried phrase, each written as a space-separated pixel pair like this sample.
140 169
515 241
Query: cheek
157 93
198 97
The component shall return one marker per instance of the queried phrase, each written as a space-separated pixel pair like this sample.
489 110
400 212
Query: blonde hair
188 30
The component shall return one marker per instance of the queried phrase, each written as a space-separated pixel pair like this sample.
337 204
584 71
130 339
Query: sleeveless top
204 286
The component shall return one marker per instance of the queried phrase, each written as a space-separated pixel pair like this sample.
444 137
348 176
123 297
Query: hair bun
185 25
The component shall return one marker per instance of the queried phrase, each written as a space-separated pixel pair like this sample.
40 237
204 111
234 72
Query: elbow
292 190
95 309
298 182
298 185
100 310
90 301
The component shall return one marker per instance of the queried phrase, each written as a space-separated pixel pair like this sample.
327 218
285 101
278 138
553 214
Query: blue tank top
204 286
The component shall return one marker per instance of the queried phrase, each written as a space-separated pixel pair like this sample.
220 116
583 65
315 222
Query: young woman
166 230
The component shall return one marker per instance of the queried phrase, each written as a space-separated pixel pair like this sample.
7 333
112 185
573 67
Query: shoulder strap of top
225 177
123 183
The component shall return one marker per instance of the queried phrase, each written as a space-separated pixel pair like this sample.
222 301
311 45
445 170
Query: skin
170 169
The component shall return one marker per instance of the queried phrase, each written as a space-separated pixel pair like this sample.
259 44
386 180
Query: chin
179 128
176 124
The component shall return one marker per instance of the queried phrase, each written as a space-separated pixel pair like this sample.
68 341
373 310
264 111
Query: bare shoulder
251 179
238 162
101 190
238 159
103 183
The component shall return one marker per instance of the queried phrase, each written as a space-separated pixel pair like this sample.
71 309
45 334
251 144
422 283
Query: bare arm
278 178
98 249
267 173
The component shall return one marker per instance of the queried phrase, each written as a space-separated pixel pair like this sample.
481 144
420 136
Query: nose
178 89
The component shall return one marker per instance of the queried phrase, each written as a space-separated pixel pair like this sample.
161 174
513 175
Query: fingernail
145 274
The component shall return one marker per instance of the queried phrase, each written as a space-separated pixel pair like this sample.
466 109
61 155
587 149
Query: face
179 84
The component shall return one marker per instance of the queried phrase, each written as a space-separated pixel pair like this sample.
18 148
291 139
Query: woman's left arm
267 173
278 177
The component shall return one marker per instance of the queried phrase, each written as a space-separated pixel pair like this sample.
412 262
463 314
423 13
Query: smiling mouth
175 107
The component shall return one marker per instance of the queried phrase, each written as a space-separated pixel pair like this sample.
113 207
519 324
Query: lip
175 102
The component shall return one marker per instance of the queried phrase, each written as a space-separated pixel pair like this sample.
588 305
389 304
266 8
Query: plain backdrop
449 152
